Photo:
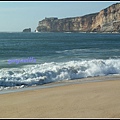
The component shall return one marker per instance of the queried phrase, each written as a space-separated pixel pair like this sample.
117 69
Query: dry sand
88 100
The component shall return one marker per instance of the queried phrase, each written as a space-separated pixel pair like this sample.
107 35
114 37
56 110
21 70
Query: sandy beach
88 100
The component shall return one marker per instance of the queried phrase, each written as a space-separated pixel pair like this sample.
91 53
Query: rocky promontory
107 20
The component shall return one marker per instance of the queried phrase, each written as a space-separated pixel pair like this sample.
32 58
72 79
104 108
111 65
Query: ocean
57 57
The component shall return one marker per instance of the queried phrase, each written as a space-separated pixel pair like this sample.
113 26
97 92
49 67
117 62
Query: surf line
17 61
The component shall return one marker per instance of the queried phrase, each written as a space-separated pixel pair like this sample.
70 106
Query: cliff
107 20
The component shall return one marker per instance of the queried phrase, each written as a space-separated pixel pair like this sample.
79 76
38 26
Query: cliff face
107 20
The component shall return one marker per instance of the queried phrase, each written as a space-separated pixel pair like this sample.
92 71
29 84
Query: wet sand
88 100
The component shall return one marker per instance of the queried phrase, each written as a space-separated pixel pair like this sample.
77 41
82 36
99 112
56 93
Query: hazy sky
15 16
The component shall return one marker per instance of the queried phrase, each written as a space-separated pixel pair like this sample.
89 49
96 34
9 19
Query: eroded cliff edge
107 20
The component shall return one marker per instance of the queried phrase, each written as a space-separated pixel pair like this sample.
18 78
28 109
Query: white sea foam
88 50
49 72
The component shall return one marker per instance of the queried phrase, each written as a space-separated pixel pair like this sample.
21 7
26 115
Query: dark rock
27 30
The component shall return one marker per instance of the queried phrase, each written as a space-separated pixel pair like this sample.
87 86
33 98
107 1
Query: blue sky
15 16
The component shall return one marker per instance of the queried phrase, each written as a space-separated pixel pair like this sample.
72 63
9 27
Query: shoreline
99 99
63 83
60 32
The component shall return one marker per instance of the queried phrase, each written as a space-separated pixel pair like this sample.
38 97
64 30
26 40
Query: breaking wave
50 72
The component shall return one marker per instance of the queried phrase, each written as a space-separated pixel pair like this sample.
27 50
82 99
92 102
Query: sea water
58 57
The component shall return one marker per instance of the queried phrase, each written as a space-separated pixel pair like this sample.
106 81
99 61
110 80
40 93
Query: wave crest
50 72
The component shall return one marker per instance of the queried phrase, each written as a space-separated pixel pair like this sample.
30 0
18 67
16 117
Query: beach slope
88 100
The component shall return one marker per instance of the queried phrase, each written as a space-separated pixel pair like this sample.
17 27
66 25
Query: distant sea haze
17 61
